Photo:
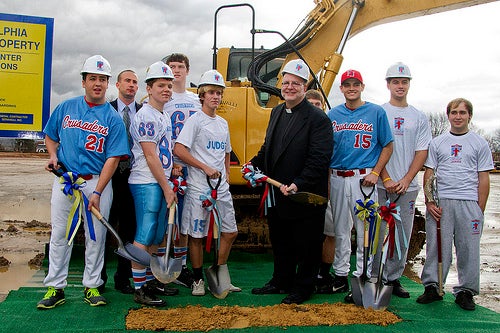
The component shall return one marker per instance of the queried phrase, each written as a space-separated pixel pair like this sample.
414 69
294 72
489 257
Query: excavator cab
234 63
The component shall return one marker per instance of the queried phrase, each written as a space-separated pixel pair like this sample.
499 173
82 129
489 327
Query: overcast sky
452 54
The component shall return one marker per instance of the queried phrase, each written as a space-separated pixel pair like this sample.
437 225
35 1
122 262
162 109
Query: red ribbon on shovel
209 202
178 185
254 178
386 212
390 213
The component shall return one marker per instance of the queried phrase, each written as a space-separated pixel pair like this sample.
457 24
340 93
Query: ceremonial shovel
301 197
378 295
357 283
219 282
166 269
218 279
430 192
129 251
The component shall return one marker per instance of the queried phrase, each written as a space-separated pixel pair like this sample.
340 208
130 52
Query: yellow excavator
253 76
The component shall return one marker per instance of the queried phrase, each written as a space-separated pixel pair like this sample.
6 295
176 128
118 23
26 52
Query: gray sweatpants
395 266
461 225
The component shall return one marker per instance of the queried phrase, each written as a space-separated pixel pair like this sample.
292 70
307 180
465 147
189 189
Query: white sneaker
198 288
234 289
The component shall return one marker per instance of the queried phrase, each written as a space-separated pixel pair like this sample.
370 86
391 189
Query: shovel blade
383 298
375 296
219 281
134 253
357 285
369 294
308 198
164 269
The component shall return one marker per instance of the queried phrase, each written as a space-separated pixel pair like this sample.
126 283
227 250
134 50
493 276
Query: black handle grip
361 188
218 182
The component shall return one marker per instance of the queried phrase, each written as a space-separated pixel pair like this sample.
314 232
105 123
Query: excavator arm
331 23
320 41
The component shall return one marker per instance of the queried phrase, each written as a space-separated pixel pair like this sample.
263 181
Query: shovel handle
440 258
277 184
366 196
96 213
216 231
101 219
274 182
366 242
218 182
171 214
60 171
216 244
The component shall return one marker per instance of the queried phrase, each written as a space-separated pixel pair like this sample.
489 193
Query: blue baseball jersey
87 136
358 136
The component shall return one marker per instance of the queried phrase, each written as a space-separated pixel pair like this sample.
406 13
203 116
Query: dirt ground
197 318
25 228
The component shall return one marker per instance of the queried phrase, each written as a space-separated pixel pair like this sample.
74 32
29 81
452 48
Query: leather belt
348 173
87 177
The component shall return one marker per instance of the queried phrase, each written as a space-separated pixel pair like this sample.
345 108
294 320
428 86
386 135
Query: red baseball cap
351 74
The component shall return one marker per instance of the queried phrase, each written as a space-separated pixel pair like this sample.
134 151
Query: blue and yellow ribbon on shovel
72 185
367 211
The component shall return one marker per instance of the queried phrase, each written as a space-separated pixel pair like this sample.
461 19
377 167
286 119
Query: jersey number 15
362 141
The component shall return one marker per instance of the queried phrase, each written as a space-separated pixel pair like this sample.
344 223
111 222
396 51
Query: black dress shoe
398 290
295 298
430 295
268 289
125 288
465 300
